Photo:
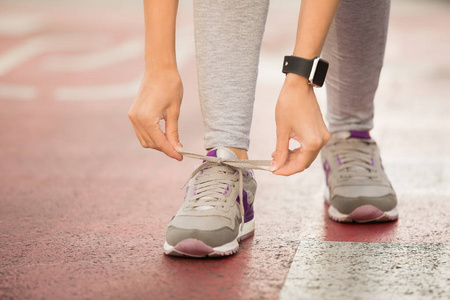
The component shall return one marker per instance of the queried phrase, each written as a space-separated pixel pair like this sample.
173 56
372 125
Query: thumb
172 132
281 151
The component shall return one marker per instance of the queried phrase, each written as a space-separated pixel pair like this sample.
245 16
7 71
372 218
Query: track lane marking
109 56
353 270
17 92
30 48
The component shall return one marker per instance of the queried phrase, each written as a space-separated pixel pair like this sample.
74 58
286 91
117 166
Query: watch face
321 72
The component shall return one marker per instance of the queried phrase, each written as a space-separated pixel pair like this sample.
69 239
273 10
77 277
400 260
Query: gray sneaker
212 220
358 189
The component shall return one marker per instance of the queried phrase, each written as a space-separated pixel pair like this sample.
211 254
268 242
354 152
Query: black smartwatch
313 69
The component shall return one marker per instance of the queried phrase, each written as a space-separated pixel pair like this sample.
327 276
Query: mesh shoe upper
354 173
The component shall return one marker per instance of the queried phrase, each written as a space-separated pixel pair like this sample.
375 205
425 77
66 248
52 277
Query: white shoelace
357 162
211 185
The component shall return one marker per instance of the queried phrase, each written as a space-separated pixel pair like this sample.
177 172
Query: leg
228 36
358 188
217 211
355 49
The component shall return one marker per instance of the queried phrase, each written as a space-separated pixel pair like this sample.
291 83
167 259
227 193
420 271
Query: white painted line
17 92
98 93
96 60
127 90
51 42
19 25
419 175
347 270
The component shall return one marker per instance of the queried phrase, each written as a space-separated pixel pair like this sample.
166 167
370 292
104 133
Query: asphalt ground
83 208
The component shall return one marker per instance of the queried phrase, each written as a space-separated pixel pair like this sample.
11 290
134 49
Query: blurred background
83 208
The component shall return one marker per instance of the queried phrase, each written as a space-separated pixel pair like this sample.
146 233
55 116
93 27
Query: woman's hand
298 117
159 98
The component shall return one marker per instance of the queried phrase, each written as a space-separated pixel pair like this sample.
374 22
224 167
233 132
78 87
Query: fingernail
179 147
273 166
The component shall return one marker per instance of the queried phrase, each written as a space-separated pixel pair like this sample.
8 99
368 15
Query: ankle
240 153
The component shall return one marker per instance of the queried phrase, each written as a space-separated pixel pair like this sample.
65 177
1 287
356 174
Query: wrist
161 65
297 81
306 53
167 76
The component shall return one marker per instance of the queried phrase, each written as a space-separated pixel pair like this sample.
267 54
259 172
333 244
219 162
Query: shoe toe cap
347 205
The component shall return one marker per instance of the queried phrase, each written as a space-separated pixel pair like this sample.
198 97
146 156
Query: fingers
140 138
301 158
150 135
281 151
137 128
298 161
161 143
172 130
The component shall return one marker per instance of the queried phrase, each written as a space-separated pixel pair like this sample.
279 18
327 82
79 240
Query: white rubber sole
197 248
362 214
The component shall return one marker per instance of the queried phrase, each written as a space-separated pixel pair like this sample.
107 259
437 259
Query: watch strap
315 70
297 65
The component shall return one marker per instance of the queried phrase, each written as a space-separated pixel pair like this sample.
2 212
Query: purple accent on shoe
227 191
212 153
246 174
248 209
365 213
187 190
359 135
338 160
327 169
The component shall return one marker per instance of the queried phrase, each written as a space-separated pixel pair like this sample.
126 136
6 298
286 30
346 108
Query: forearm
314 21
160 22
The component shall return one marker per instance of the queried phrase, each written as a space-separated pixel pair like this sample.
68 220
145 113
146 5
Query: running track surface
83 208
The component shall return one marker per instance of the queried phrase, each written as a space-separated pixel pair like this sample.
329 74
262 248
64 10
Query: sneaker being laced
213 219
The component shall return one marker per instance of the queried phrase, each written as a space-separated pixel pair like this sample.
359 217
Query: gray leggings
228 36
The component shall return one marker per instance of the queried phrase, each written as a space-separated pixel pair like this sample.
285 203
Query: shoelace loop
358 162
210 183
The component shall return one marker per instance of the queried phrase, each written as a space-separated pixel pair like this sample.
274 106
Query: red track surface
83 208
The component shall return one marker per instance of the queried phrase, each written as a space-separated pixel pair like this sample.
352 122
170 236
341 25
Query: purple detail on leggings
381 163
212 153
356 134
372 162
327 169
248 208
338 160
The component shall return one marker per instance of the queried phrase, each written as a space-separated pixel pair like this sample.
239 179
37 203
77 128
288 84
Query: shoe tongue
222 152
352 134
